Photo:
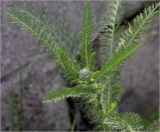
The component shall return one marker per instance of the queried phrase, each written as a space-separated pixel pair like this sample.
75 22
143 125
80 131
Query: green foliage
47 39
68 92
124 122
17 106
154 126
110 24
91 61
86 34
138 26
100 88
65 62
116 60
116 93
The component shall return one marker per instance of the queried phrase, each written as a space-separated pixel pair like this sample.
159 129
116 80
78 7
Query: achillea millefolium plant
98 87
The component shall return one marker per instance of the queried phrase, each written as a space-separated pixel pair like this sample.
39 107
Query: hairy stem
109 92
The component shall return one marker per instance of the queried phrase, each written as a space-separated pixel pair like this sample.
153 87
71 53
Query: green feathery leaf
154 126
138 26
86 34
32 24
67 65
92 61
117 59
124 122
116 92
109 27
46 37
60 94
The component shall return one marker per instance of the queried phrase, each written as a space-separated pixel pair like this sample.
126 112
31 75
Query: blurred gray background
140 75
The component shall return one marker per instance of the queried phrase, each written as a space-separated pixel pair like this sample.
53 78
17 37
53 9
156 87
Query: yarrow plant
98 87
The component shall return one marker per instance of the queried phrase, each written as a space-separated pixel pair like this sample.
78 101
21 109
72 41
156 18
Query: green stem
101 104
21 101
109 92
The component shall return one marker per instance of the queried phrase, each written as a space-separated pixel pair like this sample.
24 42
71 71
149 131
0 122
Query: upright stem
109 92
101 102
21 101
103 109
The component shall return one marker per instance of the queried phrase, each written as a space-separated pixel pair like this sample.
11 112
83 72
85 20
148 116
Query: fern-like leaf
46 37
124 122
109 27
138 26
117 59
86 34
56 96
116 92
67 65
154 126
92 61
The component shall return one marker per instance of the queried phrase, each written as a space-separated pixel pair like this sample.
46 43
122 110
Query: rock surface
140 75
40 74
